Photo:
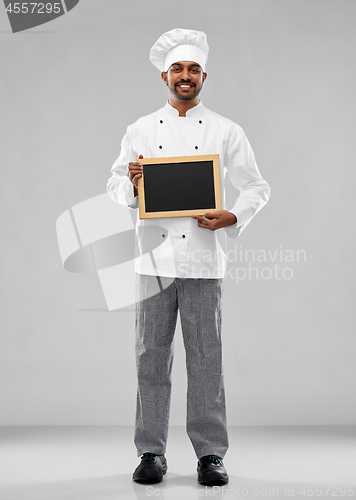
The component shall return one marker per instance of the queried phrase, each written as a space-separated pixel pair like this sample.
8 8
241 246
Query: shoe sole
213 482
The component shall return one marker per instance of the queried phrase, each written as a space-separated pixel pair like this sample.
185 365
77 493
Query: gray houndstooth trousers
158 300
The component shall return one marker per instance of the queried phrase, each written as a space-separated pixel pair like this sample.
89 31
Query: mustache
185 82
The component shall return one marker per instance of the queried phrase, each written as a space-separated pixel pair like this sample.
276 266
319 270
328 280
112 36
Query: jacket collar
196 112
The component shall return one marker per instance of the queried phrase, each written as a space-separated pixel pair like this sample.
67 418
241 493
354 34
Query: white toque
180 45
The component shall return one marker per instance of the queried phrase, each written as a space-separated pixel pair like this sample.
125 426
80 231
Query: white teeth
184 86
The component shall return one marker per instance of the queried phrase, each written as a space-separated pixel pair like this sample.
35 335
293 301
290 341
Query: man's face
184 80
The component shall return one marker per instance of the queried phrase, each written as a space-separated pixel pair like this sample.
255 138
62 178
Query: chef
181 261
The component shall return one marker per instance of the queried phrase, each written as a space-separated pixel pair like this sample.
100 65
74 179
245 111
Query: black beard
182 98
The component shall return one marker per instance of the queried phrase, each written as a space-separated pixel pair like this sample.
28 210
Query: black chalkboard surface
179 186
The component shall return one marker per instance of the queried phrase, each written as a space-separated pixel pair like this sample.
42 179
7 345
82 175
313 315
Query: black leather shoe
211 471
151 468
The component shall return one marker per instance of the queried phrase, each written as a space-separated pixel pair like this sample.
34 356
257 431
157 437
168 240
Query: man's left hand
215 220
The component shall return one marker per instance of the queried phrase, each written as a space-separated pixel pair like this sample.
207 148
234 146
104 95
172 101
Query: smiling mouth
184 86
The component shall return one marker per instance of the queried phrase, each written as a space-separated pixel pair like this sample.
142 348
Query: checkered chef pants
199 303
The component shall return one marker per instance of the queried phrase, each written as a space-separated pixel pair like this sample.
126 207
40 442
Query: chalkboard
179 186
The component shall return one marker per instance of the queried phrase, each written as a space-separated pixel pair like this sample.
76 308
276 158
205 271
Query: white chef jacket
177 246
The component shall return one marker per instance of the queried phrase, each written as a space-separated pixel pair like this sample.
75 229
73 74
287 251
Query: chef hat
179 45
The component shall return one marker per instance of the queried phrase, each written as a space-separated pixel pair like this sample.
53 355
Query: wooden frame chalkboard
179 186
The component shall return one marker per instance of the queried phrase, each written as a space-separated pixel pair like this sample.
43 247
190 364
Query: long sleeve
245 176
119 186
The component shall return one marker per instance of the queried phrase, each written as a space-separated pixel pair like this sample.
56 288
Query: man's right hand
134 173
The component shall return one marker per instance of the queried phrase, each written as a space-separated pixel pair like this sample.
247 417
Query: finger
133 173
136 169
204 225
203 220
137 162
136 178
200 218
211 215
213 223
132 176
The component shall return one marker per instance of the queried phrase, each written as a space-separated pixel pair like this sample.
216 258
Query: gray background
285 71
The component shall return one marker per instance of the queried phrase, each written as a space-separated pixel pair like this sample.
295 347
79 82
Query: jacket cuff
234 230
132 200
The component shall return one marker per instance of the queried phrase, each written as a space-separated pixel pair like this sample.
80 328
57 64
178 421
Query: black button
196 147
183 235
161 121
163 235
160 147
200 121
